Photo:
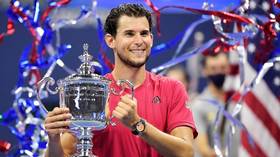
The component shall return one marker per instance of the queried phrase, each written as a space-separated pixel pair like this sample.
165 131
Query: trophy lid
86 69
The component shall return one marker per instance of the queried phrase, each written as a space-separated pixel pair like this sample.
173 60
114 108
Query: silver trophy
85 94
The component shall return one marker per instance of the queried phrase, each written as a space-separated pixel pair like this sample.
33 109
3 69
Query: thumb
107 111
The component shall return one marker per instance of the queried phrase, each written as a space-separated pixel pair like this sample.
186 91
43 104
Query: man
158 107
215 68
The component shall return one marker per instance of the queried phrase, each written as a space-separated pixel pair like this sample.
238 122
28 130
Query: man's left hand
126 111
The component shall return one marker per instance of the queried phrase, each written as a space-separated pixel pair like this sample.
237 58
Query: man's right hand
57 122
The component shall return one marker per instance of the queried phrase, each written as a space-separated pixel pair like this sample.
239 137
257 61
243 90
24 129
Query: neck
218 93
134 75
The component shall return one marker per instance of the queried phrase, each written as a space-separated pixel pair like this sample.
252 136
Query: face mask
217 79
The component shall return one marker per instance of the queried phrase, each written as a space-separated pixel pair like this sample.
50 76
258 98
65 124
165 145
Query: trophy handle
46 81
124 84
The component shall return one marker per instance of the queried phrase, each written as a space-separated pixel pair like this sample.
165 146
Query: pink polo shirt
161 101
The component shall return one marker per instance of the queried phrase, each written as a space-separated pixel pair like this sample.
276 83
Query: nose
138 40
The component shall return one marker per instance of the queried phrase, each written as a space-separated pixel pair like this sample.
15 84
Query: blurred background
173 23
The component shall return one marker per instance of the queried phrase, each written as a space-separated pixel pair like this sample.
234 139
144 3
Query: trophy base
84 145
89 155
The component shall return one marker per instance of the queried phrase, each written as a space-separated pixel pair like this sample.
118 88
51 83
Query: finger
57 131
57 111
121 111
127 99
125 106
117 114
61 117
56 125
107 110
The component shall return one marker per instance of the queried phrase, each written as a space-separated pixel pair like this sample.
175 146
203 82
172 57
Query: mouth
138 51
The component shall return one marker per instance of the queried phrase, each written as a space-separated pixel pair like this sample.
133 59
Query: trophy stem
84 146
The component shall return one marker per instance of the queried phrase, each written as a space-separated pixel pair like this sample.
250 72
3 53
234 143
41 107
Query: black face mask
218 80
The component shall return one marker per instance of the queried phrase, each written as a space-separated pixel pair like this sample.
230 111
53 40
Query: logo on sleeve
188 105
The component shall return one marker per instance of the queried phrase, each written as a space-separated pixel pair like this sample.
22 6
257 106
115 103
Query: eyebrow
129 31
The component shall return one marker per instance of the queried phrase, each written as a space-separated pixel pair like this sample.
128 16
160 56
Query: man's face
133 41
216 65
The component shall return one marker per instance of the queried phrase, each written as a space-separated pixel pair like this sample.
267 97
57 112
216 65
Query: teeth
137 51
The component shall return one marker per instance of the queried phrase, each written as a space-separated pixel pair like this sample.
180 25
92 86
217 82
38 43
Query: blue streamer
184 56
36 11
165 46
63 22
188 33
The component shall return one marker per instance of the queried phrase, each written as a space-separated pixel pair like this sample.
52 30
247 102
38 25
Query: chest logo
156 100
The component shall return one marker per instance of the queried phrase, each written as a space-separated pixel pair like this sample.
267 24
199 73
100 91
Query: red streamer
106 59
224 15
4 146
277 4
33 58
10 30
266 45
157 12
219 46
18 11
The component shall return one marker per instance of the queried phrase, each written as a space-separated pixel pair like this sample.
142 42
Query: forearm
167 145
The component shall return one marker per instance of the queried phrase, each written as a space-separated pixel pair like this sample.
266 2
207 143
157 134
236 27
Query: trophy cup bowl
86 95
86 99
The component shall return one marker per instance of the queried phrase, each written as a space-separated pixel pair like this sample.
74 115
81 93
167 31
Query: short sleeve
179 114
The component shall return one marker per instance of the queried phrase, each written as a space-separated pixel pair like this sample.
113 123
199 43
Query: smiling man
154 123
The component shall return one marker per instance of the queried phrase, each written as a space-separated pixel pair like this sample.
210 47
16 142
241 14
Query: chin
137 64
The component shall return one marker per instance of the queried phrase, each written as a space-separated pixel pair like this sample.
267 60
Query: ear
152 40
110 40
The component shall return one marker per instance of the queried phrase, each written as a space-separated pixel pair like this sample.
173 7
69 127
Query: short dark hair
131 10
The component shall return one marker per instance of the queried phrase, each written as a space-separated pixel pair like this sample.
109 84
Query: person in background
215 68
178 72
155 123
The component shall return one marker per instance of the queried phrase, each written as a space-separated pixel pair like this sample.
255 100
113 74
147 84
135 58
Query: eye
129 34
145 33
